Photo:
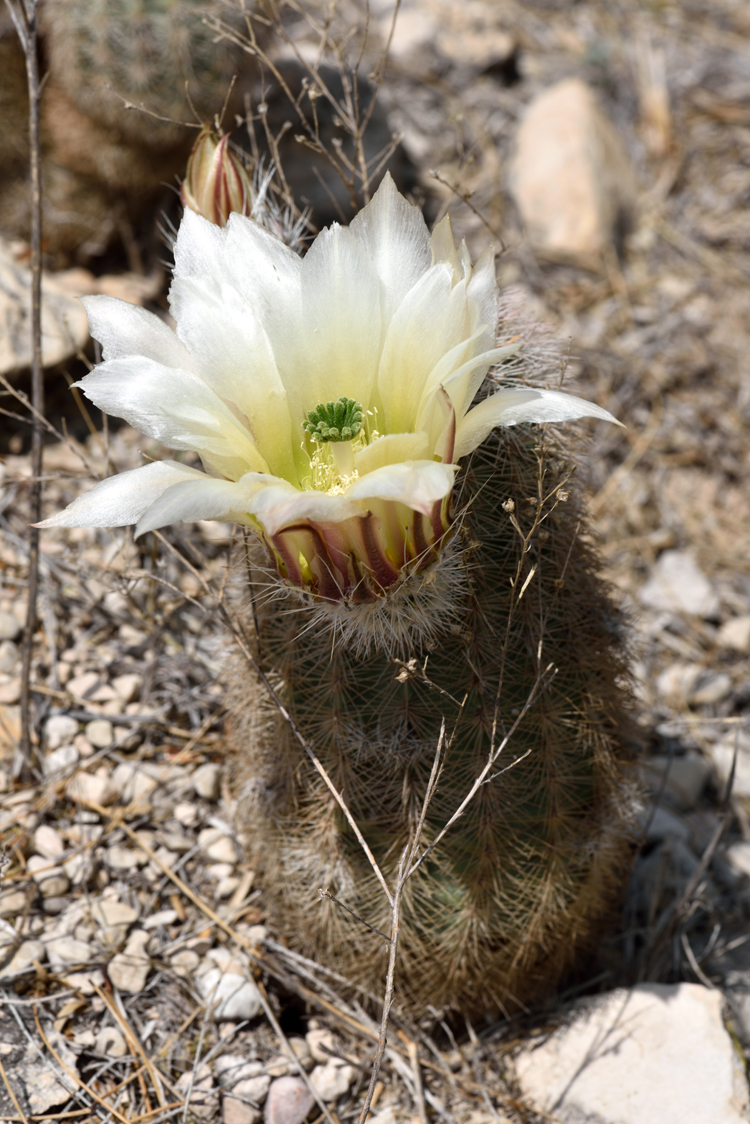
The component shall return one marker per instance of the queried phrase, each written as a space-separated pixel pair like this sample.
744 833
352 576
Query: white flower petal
424 327
191 500
174 406
391 449
339 349
463 384
417 484
125 329
199 249
443 248
278 505
396 240
121 500
482 293
233 355
267 275
511 406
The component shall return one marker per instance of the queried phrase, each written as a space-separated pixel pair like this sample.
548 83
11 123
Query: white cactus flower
329 397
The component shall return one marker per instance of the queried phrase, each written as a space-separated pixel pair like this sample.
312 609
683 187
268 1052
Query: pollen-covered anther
335 421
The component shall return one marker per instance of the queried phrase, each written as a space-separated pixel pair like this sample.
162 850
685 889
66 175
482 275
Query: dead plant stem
23 14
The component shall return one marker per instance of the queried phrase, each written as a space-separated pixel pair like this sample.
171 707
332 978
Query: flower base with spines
519 885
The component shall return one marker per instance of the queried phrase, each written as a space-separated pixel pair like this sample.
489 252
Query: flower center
335 421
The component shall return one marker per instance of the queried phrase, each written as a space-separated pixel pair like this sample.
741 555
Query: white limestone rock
678 585
571 176
652 1054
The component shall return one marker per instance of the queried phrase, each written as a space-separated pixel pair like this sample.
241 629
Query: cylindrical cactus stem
157 53
518 885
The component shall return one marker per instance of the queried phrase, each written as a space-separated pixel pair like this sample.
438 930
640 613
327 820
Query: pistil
337 424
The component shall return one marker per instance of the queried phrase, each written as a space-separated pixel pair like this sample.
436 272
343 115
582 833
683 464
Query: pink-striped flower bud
216 181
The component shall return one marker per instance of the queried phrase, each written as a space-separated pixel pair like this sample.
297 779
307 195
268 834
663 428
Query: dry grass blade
12 1094
74 1076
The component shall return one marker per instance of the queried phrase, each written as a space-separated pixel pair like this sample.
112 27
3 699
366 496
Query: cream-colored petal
339 348
466 380
233 355
396 240
391 449
121 500
511 406
125 329
199 248
279 505
174 406
197 499
425 326
482 293
417 484
443 247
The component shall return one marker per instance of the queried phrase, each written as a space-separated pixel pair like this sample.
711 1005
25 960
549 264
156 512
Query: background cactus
152 52
519 884
107 168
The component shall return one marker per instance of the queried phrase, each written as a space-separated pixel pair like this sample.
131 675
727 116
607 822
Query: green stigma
335 421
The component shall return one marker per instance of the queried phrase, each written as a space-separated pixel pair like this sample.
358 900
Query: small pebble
110 1043
52 881
231 1068
128 970
223 851
100 733
59 730
128 687
206 780
234 1111
227 886
83 745
163 917
66 757
52 906
738 856
321 1045
10 655
332 1080
12 902
62 951
186 814
10 692
733 634
109 912
226 984
203 1097
288 1101
24 958
95 787
82 686
124 858
219 871
10 627
48 842
184 962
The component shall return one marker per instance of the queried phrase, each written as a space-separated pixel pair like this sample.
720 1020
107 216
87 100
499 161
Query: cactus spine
518 885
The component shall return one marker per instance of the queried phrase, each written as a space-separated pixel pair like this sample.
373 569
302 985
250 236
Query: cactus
146 51
517 887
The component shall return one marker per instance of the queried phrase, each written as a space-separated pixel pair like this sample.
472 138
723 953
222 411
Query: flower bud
216 182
